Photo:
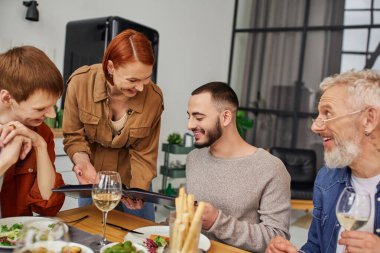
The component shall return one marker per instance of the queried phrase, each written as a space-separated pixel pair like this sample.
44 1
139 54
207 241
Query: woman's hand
85 172
133 204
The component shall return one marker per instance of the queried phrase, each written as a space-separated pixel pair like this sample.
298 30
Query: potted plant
175 145
175 138
243 123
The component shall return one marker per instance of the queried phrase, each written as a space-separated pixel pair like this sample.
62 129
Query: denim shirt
324 229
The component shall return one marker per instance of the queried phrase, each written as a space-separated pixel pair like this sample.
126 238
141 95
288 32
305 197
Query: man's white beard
343 154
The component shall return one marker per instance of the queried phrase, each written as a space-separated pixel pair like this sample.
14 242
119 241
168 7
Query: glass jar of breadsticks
185 224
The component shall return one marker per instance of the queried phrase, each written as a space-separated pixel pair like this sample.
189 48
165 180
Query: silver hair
363 87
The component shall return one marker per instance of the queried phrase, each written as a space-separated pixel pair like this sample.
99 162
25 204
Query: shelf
168 171
176 149
173 172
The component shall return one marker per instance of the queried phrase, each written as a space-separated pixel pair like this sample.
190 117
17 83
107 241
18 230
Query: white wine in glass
353 209
349 222
106 201
106 194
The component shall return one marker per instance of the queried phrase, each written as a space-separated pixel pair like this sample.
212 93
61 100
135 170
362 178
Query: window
280 52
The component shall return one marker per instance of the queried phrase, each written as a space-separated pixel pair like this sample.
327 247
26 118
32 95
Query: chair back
301 165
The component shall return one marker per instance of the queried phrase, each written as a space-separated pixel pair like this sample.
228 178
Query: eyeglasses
322 122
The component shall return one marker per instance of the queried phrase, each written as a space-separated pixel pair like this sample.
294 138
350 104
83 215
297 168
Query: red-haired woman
112 117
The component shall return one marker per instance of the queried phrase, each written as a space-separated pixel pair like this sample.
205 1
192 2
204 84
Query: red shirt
20 195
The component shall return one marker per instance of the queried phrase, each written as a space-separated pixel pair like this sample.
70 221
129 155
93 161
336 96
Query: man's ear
5 97
110 67
226 117
371 120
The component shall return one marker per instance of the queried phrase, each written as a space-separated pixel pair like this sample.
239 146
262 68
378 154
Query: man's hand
280 245
133 204
209 216
17 148
15 128
360 242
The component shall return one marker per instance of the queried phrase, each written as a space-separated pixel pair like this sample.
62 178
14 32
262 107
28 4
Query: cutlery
77 220
123 228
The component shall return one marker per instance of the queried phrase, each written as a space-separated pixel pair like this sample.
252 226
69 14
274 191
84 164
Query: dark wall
86 41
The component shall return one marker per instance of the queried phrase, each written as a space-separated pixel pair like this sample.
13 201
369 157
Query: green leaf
161 242
4 228
243 123
16 226
174 138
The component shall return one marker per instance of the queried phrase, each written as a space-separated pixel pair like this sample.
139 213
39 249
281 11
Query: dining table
93 225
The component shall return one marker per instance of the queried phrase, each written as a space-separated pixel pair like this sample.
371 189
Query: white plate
38 222
56 246
204 242
138 247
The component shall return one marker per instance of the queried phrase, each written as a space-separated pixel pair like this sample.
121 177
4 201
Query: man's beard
213 135
343 154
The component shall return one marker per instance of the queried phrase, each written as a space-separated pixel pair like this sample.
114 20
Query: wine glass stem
104 240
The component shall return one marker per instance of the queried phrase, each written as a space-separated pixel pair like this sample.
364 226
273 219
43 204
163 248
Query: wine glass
106 194
353 209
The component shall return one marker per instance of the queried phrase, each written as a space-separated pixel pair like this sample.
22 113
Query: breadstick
178 206
194 228
181 237
190 206
174 243
186 221
181 192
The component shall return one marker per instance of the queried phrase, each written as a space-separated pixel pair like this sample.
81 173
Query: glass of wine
353 209
106 194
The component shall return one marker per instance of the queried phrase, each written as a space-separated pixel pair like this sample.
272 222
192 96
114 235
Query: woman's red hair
128 46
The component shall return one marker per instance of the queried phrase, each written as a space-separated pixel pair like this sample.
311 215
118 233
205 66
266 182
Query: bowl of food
55 247
125 247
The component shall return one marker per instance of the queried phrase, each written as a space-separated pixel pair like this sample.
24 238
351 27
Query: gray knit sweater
252 194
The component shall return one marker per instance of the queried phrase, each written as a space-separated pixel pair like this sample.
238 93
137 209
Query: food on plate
150 245
125 247
71 249
186 229
65 249
9 234
39 250
155 241
52 225
160 239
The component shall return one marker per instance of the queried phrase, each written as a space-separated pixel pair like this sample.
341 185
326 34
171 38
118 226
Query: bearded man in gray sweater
247 189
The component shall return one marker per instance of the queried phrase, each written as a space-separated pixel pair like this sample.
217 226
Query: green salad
9 234
126 247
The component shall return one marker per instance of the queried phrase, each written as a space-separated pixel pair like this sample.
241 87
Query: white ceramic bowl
56 246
